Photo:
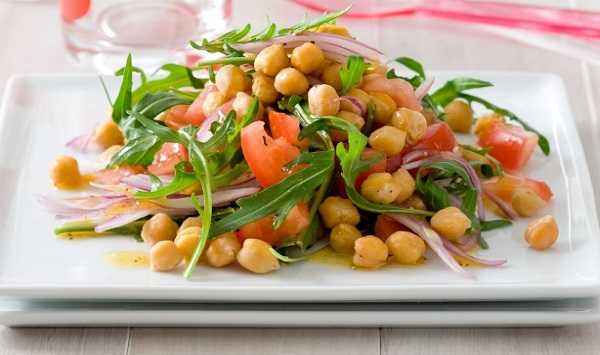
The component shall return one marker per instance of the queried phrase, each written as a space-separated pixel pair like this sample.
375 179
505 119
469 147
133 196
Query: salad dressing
128 258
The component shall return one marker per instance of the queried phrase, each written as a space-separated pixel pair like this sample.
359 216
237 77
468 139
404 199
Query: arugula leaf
474 149
211 74
230 175
353 72
123 101
288 103
453 88
494 224
366 130
276 198
180 182
543 142
352 164
134 229
413 65
221 134
434 196
178 76
307 25
233 138
138 151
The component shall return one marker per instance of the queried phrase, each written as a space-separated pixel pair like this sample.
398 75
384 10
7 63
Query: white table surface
31 42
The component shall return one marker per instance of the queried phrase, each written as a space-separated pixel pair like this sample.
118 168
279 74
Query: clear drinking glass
153 31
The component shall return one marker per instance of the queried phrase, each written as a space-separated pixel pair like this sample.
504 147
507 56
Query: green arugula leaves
352 73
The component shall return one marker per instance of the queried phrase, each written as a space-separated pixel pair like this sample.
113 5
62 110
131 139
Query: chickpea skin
370 252
256 256
450 223
411 122
108 154
407 185
358 94
263 87
307 58
231 80
385 107
159 227
414 202
323 100
331 76
212 102
342 238
334 29
380 188
108 134
222 250
290 81
526 202
388 139
459 116
271 60
542 233
187 240
336 210
242 103
339 135
65 174
406 247
190 222
164 256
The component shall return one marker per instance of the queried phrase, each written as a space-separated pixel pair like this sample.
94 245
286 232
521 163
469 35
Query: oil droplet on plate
124 259
330 257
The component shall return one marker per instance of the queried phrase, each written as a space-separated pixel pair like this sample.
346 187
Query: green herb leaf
211 74
434 196
494 224
177 76
123 101
138 151
288 103
453 88
353 72
412 64
180 182
366 130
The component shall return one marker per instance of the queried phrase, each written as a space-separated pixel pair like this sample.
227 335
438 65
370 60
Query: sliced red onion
357 106
424 88
251 182
143 181
504 206
336 57
432 239
204 132
313 80
418 154
79 205
220 198
84 144
415 164
121 220
458 251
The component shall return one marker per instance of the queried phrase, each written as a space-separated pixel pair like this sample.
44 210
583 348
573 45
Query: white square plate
41 113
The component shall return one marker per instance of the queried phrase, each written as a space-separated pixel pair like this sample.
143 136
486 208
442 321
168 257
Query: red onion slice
220 198
418 154
204 133
121 220
84 144
357 106
504 206
432 239
424 88
458 251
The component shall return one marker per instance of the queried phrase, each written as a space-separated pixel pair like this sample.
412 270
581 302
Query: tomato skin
511 145
114 176
169 155
266 156
295 222
174 116
385 226
503 186
286 126
439 136
378 167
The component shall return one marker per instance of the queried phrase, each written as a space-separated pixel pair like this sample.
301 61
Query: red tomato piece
195 114
511 145
438 137
286 126
295 222
503 186
266 156
174 116
378 167
114 176
169 155
385 226
72 10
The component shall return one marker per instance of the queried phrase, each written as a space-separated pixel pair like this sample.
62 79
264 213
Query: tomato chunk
439 136
503 186
286 126
173 118
386 226
266 156
511 145
295 222
169 155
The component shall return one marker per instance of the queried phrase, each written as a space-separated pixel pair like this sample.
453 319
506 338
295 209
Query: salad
277 144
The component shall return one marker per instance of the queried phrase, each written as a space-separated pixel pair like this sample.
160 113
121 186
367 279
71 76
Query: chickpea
290 81
450 223
241 104
406 247
377 68
358 94
335 210
108 154
385 106
411 122
107 134
164 256
414 202
459 116
334 29
190 222
271 60
541 233
323 100
342 237
338 135
256 256
159 227
388 139
526 202
331 76
485 121
65 174
370 252
407 185
263 87
380 188
231 80
307 58
212 102
187 240
222 250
